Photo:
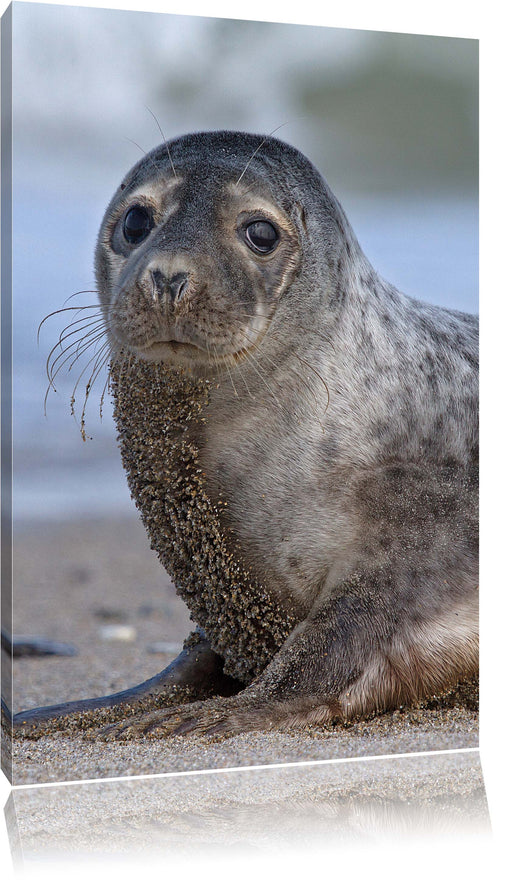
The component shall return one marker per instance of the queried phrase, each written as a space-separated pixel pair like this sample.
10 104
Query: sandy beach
95 584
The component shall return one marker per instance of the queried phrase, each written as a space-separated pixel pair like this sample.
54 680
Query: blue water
428 247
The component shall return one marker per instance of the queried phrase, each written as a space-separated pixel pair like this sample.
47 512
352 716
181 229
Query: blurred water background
389 119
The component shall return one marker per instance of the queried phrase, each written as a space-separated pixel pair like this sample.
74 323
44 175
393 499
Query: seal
300 439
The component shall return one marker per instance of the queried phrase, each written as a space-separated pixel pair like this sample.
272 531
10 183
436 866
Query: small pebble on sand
118 633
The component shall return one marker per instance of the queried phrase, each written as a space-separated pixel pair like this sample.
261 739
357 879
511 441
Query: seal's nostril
172 289
178 286
159 284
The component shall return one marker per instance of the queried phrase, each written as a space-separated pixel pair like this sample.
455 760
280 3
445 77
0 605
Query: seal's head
202 242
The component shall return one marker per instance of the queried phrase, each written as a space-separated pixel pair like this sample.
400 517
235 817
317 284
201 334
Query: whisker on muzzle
89 330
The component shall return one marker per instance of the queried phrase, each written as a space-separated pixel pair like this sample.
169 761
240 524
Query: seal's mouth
202 355
165 350
175 350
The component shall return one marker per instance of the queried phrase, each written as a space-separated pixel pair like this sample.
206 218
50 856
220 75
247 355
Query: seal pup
300 439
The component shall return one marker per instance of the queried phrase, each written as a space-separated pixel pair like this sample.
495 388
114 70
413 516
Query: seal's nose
171 290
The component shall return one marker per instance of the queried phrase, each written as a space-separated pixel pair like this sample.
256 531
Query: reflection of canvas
97 565
317 808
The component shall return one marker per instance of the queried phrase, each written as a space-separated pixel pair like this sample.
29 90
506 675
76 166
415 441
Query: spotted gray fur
335 460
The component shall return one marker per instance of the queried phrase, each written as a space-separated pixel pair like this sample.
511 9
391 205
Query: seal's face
192 259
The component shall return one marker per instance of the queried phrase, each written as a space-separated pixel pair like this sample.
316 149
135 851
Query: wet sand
73 583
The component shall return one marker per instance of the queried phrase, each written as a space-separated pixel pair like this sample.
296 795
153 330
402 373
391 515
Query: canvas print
240 510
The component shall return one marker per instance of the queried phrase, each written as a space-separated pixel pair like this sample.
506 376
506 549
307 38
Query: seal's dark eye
137 224
262 236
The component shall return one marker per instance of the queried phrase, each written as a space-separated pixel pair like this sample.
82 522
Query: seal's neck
160 414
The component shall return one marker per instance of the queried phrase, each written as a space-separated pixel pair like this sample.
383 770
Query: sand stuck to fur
156 408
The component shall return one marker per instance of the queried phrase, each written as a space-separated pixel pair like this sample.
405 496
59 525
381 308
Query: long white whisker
153 163
77 347
54 370
82 349
63 310
165 141
74 345
98 365
90 322
258 149
85 291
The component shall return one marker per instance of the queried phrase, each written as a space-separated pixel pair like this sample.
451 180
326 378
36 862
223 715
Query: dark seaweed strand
155 407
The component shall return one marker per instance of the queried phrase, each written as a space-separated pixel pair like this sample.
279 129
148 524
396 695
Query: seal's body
299 436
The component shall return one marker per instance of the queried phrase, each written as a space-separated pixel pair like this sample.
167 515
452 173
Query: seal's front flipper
223 717
301 685
362 653
196 672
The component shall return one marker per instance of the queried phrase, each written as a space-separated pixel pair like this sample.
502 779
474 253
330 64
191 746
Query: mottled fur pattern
339 446
344 451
